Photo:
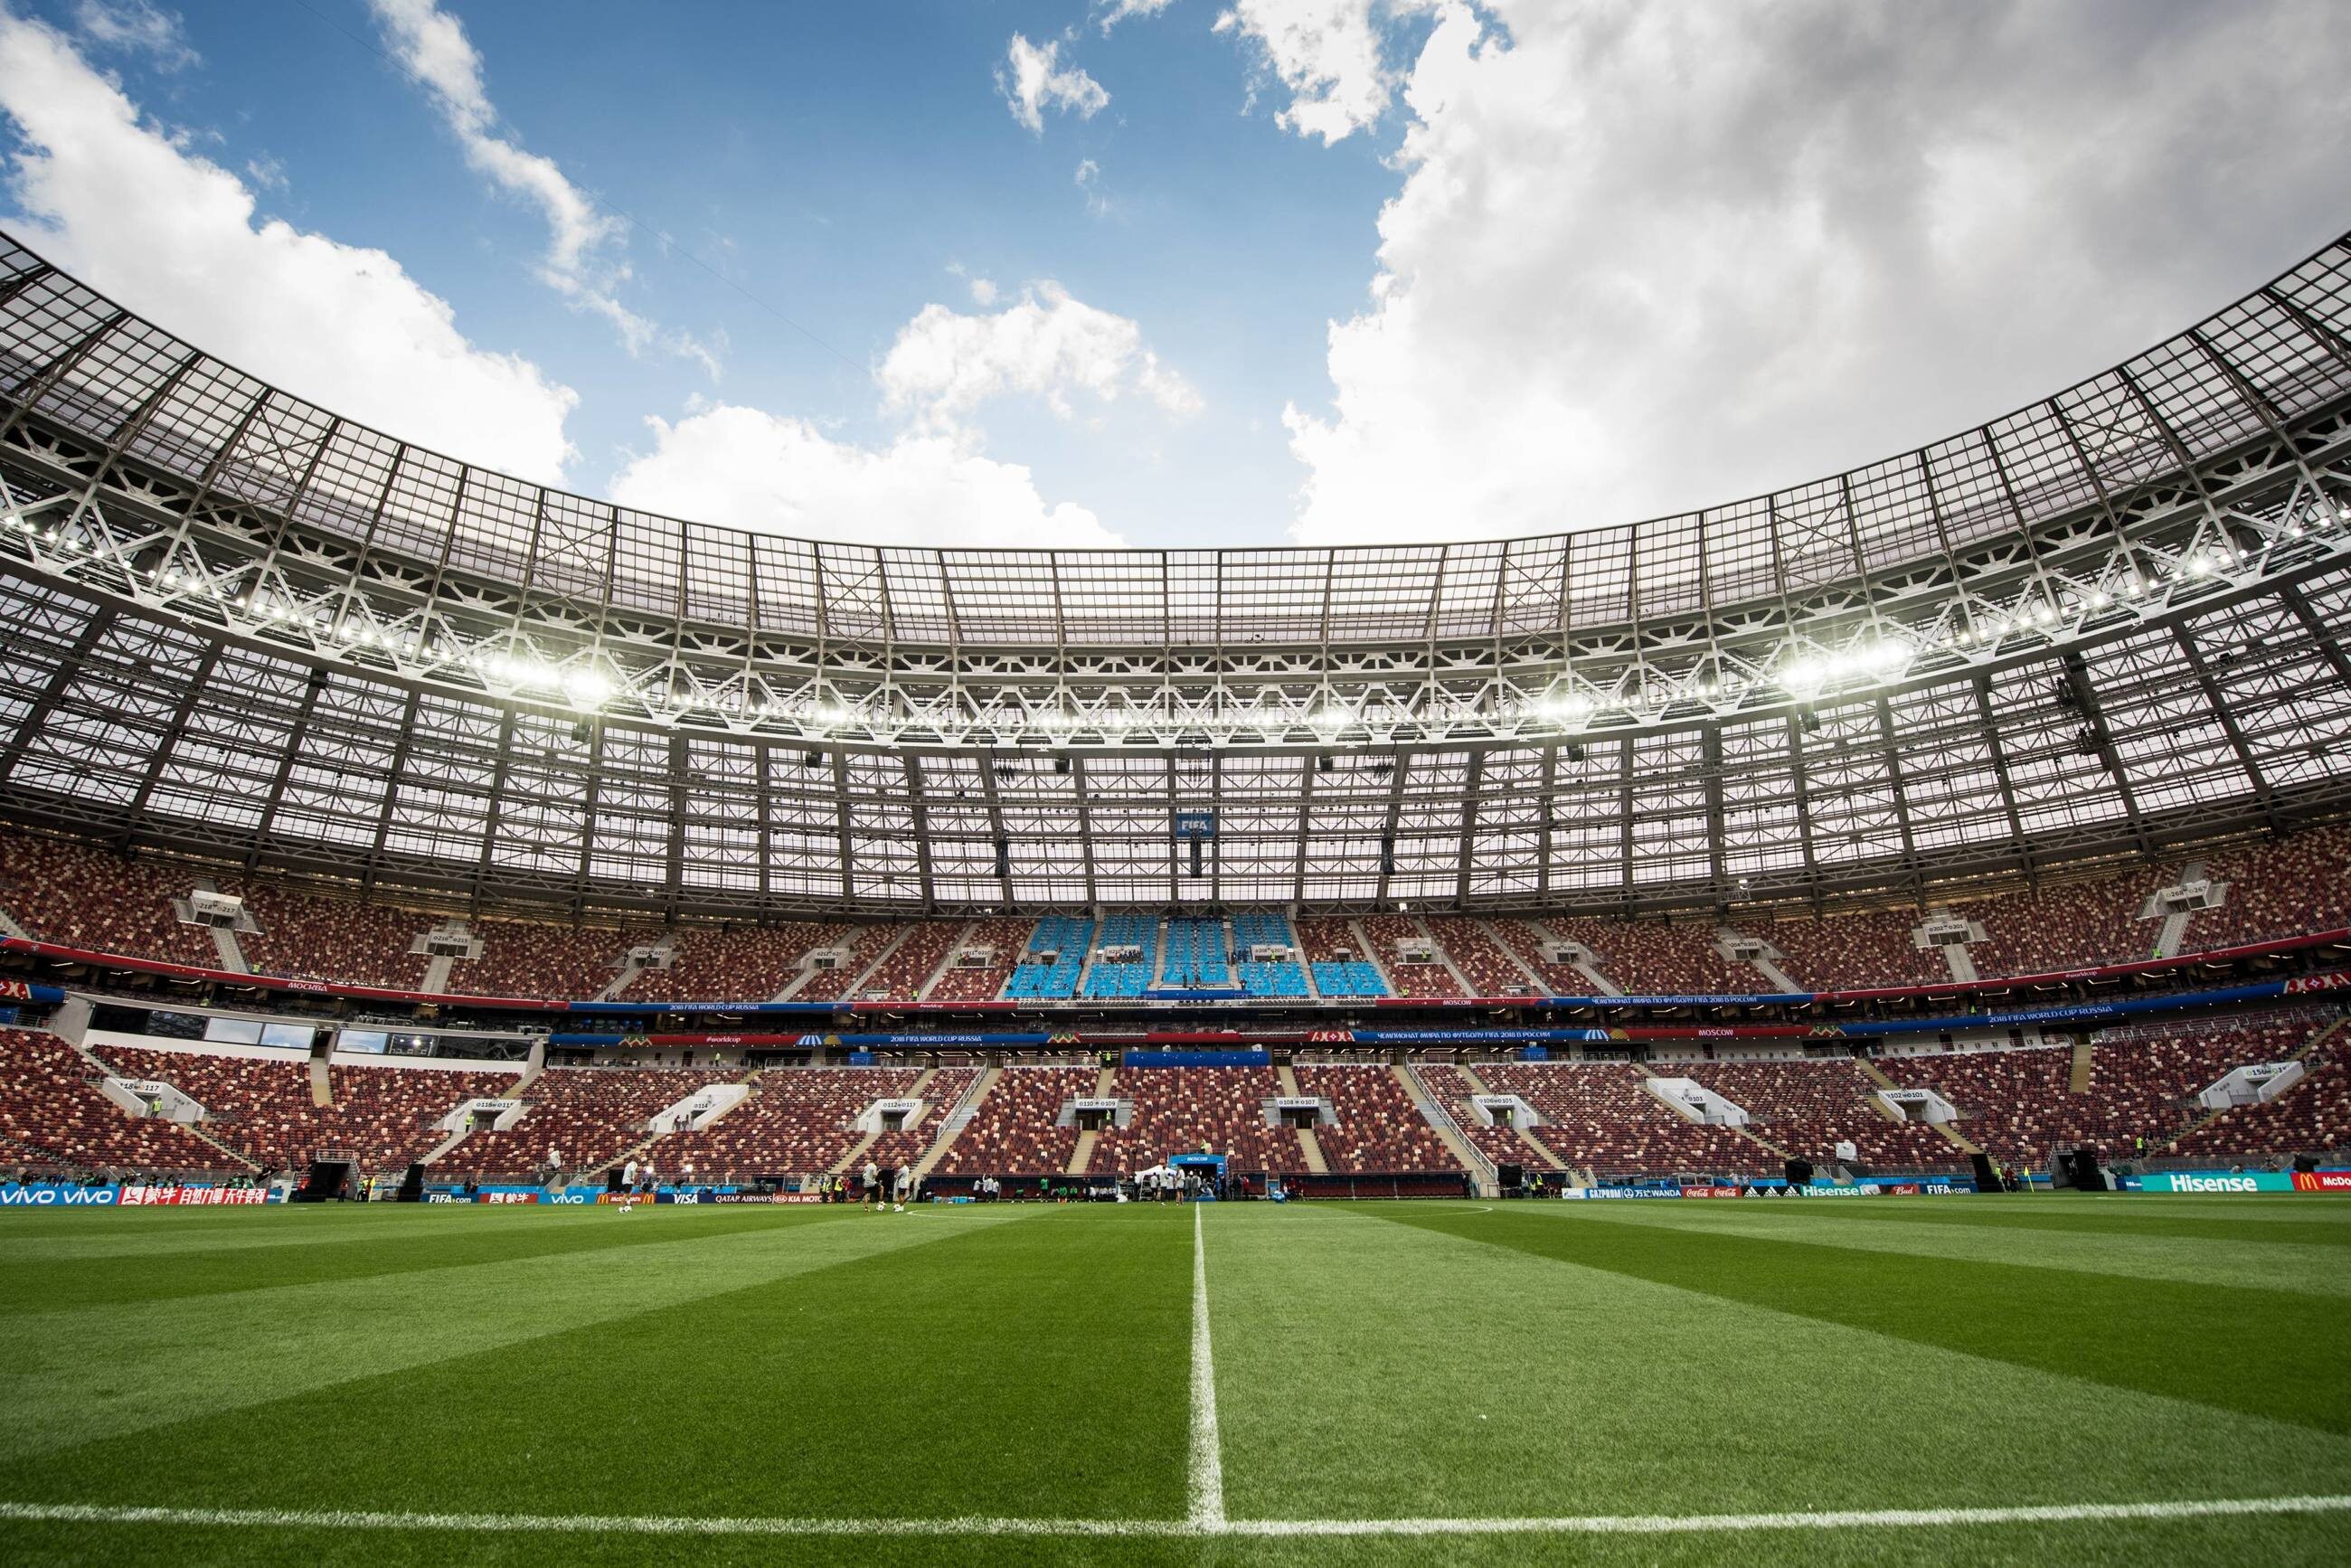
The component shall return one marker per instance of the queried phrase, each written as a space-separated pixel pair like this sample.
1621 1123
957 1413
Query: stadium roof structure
233 624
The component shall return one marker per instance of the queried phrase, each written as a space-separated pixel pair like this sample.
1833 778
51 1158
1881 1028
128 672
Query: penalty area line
1208 1468
1593 1524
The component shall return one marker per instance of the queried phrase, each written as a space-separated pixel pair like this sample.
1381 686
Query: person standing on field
870 1179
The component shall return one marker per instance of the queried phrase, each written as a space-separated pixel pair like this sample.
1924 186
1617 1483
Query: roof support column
918 796
1999 755
2227 719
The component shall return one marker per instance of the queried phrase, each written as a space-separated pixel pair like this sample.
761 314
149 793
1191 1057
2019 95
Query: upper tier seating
1481 961
744 964
1598 1116
1526 939
2066 927
1254 927
1383 932
1647 957
52 1114
1128 928
1197 956
1008 938
864 944
1854 952
525 958
1322 940
798 1122
80 897
1379 1130
1013 1133
334 940
1068 937
1184 1110
589 1114
913 962
382 1116
1807 1108
2288 888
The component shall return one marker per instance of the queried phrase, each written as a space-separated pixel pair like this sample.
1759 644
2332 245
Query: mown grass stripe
1567 1524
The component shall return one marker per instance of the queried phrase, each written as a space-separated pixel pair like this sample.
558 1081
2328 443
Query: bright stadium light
587 688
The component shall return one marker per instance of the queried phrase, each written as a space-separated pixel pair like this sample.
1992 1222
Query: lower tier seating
588 1114
53 1116
1379 1127
1013 1133
798 1122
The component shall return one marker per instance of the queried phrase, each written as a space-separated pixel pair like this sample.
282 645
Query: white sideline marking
1207 1478
1593 1524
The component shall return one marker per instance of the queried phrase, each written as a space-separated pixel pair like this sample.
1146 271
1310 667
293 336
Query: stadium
701 1042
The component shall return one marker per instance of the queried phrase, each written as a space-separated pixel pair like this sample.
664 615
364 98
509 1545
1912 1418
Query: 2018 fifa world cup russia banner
193 1196
57 1195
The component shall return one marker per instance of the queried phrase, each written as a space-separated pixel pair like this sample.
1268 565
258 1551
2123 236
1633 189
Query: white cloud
1089 180
1328 54
1113 12
1032 79
580 264
136 26
1650 256
173 235
1047 344
932 483
748 468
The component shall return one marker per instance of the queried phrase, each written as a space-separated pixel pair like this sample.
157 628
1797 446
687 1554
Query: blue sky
1585 262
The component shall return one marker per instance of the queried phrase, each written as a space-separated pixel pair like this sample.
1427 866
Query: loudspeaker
1061 765
1322 765
1575 751
1799 1173
612 1180
1003 858
412 1186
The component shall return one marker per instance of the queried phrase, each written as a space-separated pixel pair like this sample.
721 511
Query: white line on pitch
1591 1524
1208 1476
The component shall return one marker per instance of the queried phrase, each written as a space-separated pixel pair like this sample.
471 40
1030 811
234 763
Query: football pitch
2030 1379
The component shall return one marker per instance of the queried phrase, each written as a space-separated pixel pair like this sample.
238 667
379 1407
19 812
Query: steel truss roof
243 626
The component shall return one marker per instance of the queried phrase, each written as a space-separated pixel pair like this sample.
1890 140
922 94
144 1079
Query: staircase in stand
955 1119
1310 1147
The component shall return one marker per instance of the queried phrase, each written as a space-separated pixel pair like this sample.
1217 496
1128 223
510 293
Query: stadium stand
1066 938
2066 927
53 1113
1384 932
80 897
1007 938
1266 927
331 940
1500 1145
748 964
589 1114
1598 1116
1652 958
864 944
1526 939
1322 940
524 958
1379 1129
1807 1108
1854 952
911 963
1123 930
1013 1131
1186 1110
2314 1117
798 1122
908 1146
1484 964
2286 888
382 1116
1196 957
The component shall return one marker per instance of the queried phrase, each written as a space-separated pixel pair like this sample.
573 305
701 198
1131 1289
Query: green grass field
1028 1384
